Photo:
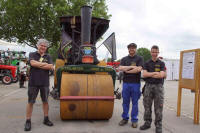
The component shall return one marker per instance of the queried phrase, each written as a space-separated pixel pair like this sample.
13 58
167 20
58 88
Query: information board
188 65
189 78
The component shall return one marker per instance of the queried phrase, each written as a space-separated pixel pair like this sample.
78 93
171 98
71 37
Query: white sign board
188 65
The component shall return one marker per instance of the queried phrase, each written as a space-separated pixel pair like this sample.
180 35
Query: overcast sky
173 25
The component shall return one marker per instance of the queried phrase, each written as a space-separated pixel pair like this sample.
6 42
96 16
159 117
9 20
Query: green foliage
53 51
25 21
99 7
109 59
145 53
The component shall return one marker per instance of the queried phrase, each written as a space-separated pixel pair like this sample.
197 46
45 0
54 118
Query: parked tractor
86 90
11 58
7 74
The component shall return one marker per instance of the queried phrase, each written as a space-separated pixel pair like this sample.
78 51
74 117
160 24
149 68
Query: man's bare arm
37 64
148 74
160 75
125 68
41 65
165 75
48 67
136 69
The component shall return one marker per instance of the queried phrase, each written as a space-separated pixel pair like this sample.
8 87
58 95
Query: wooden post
179 101
196 108
198 84
179 87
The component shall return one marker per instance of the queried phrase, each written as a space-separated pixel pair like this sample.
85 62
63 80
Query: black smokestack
86 15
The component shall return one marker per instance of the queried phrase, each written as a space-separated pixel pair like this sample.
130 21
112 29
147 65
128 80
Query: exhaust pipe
86 15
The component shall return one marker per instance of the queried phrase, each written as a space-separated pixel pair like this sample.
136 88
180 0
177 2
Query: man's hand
156 75
147 74
134 69
42 64
53 67
126 68
47 66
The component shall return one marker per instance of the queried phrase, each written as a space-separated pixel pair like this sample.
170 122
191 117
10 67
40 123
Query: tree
109 59
25 21
145 53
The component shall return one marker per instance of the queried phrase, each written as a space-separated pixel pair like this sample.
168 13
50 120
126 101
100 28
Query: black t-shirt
132 61
152 66
38 76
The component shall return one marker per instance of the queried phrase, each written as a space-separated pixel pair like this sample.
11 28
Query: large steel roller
85 89
86 96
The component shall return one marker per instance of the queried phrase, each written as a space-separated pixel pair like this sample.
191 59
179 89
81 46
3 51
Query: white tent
4 43
15 47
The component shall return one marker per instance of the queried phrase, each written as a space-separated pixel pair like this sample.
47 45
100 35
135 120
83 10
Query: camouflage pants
153 92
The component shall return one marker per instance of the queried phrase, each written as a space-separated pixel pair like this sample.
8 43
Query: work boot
123 122
158 130
145 126
134 125
27 125
47 121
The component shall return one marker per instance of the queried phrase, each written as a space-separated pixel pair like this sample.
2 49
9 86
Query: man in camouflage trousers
154 73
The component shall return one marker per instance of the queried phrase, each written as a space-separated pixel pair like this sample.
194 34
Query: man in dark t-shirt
40 64
131 65
154 72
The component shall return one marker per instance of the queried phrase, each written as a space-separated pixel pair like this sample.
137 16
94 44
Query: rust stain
72 107
75 89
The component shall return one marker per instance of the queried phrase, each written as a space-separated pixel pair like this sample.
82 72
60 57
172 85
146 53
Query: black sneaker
123 122
145 126
158 130
47 122
27 125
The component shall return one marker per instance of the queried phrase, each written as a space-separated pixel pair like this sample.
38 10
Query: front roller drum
86 96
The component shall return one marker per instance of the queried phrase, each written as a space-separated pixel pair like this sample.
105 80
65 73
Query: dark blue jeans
131 91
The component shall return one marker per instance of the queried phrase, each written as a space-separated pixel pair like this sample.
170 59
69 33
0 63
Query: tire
16 79
7 79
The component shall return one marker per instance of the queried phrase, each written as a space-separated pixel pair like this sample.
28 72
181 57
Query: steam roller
85 88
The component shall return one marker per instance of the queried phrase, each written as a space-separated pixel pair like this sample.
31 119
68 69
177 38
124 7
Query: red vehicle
113 64
116 65
8 73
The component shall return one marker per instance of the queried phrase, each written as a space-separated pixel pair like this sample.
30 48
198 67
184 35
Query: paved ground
13 102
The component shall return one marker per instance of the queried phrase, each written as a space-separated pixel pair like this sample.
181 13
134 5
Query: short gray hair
42 41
